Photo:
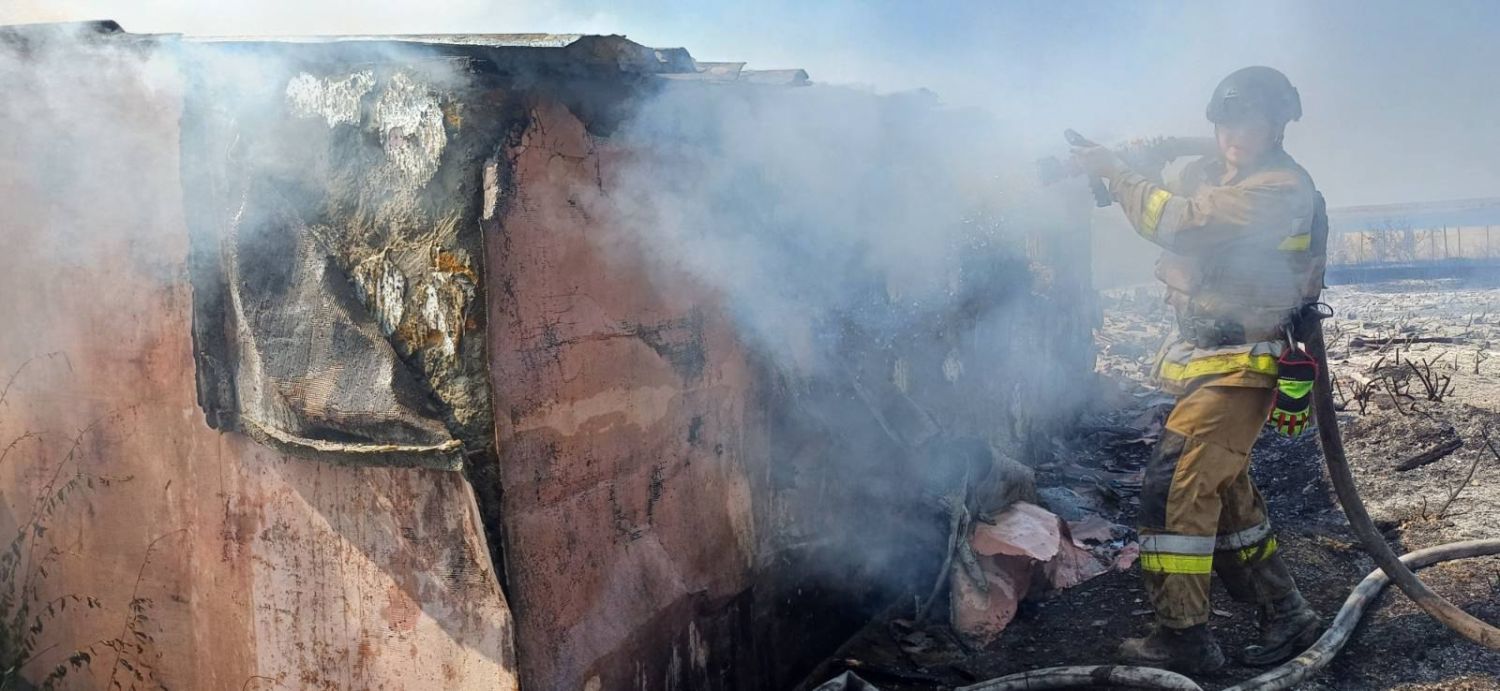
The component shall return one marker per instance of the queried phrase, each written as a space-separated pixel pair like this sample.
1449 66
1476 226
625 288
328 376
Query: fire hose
1392 568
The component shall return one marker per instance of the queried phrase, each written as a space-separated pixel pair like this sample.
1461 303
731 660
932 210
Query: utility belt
1296 372
1209 332
1215 332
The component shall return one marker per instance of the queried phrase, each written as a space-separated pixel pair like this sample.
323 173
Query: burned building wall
294 193
749 483
169 553
628 433
373 263
334 206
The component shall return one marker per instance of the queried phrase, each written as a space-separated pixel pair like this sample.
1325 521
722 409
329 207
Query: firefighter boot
1288 626
1192 650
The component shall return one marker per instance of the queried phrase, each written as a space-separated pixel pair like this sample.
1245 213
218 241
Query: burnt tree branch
1431 455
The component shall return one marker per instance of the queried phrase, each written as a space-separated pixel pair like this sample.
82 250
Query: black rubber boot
1192 650
1288 626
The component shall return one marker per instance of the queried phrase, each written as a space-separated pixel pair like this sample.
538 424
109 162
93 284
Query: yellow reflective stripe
1195 564
1218 364
1296 243
1151 217
1250 554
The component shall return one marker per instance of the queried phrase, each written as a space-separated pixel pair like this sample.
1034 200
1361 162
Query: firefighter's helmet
1255 91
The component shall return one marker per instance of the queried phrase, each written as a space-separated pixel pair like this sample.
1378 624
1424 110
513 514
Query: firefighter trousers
1200 511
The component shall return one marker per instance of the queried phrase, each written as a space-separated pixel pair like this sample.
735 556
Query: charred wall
188 558
682 508
628 435
353 268
335 206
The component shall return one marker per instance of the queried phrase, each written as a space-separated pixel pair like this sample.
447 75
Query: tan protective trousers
1200 511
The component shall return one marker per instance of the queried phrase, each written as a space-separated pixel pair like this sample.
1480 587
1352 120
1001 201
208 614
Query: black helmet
1255 90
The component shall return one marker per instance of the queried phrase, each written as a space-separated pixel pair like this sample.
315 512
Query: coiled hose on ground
1392 568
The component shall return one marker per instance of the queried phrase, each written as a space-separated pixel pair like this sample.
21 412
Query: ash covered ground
1417 384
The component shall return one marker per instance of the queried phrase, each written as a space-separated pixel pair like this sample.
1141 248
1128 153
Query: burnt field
1420 397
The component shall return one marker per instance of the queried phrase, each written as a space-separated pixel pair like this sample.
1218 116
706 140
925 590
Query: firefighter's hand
1098 161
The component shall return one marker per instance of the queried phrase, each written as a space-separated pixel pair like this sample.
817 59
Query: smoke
81 115
1399 97
323 17
797 203
826 215
894 261
120 139
1390 87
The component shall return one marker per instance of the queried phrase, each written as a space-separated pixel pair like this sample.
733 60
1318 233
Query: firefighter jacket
1240 255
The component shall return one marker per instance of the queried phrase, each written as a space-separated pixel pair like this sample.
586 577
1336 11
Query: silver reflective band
1177 544
1245 538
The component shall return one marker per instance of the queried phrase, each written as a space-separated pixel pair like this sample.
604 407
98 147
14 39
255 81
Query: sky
1401 99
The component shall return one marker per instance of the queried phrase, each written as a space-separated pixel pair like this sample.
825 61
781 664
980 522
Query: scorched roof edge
614 48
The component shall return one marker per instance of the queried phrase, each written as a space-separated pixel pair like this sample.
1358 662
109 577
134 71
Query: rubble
1454 497
1066 503
1027 550
848 681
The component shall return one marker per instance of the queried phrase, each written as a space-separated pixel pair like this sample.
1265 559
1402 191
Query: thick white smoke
797 202
1399 97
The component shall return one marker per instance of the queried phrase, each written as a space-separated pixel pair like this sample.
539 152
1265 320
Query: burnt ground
1396 645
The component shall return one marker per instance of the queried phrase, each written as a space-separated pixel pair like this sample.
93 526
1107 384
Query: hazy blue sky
1402 99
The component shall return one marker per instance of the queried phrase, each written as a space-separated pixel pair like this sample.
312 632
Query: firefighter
1240 257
